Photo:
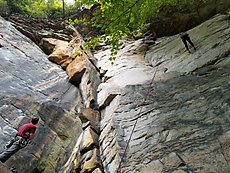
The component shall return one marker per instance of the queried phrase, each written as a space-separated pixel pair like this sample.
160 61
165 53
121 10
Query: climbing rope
134 126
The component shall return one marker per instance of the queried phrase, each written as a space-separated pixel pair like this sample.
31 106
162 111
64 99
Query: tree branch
123 13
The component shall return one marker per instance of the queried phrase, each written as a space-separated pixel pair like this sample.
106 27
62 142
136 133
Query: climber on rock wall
24 135
1 36
185 38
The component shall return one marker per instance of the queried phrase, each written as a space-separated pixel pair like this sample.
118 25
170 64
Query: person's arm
32 136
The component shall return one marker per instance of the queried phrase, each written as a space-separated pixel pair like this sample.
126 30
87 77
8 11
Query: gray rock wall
181 113
170 21
30 85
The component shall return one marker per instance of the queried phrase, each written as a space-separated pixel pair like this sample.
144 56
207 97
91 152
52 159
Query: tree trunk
63 8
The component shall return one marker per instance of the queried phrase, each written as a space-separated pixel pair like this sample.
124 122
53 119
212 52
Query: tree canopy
121 18
44 9
115 18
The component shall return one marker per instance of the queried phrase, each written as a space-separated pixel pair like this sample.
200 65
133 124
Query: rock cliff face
182 116
183 19
160 111
30 85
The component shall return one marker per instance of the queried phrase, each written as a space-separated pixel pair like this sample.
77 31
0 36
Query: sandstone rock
61 55
89 140
64 53
155 167
75 42
98 170
92 163
30 85
130 70
92 125
180 119
178 171
172 161
142 48
88 114
89 84
76 69
106 93
3 168
48 44
36 29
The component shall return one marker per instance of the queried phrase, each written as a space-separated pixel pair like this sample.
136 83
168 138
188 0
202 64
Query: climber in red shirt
27 131
24 135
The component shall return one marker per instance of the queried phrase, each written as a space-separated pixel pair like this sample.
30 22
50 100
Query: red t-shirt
26 128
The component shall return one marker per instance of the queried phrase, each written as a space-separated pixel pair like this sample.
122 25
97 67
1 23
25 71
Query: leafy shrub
3 7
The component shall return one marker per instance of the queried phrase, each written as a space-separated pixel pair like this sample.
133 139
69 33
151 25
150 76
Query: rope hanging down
134 126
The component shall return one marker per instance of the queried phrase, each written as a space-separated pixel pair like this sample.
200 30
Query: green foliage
54 9
92 44
35 9
71 9
3 7
121 18
126 16
116 18
49 9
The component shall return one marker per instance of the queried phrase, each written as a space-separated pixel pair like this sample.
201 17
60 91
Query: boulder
93 162
76 69
88 114
90 140
61 55
49 44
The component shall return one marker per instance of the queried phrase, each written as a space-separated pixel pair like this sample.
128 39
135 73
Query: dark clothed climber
185 38
24 135
1 36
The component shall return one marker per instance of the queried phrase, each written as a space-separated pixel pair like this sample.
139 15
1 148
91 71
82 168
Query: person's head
34 120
